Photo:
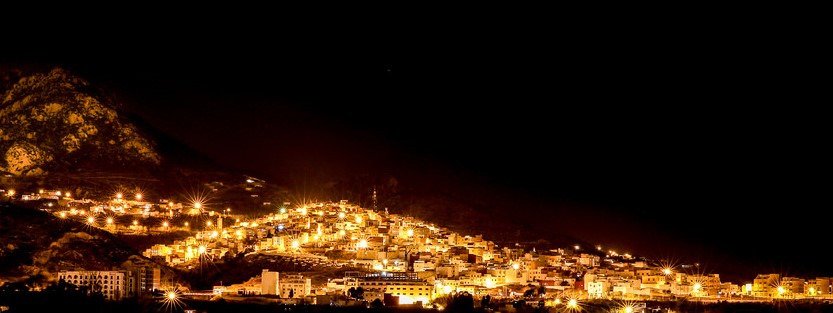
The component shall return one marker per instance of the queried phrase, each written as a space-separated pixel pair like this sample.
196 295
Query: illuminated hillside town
399 260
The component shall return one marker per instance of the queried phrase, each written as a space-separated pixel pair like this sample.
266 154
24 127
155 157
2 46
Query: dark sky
696 134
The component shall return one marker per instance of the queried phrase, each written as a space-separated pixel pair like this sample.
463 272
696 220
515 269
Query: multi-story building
405 285
599 288
269 282
295 286
149 278
790 287
764 285
113 285
819 287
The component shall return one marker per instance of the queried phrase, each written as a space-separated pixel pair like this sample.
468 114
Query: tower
374 198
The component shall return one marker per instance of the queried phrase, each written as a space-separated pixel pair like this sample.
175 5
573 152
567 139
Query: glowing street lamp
572 304
138 197
109 221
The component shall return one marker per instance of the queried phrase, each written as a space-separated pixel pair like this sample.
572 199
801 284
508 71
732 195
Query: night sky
707 137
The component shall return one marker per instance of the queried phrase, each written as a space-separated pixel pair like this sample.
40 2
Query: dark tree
61 286
377 304
484 302
356 293
461 302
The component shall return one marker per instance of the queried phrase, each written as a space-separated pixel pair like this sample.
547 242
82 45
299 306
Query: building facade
113 285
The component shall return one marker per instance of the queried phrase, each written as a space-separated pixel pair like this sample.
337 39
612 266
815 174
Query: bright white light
572 303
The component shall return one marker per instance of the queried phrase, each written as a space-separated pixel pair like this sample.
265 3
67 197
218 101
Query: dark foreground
45 302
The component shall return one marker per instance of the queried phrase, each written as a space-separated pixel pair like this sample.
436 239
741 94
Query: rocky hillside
36 245
55 121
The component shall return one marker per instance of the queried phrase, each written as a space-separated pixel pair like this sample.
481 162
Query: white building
297 285
404 285
114 285
269 282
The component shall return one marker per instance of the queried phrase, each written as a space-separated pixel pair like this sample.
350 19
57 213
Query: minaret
374 198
